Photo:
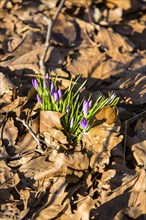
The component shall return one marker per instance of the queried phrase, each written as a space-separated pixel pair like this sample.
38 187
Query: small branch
33 134
51 23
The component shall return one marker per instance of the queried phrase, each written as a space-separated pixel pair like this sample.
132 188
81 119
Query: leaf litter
102 177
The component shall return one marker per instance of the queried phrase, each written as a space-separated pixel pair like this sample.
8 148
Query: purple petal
84 124
85 107
47 76
39 99
59 93
90 104
35 83
52 87
56 96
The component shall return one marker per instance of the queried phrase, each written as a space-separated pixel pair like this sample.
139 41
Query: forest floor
104 176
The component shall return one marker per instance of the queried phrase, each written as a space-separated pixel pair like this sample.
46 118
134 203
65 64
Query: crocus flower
57 95
35 83
86 106
39 99
72 122
84 124
52 90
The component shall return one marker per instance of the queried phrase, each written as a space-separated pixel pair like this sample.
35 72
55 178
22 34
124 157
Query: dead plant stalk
51 23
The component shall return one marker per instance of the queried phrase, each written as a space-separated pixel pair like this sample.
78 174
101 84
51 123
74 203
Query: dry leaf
101 140
8 135
139 143
137 201
50 119
84 208
6 85
55 134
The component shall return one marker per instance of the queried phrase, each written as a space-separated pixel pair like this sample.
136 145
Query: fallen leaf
137 201
50 119
55 134
139 143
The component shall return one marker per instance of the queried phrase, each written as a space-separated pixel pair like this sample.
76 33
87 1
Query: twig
33 135
51 23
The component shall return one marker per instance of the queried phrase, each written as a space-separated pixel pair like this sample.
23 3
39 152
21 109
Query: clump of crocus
78 112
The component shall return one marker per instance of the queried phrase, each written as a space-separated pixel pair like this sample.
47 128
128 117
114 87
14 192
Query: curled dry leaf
8 135
139 143
14 106
50 119
107 114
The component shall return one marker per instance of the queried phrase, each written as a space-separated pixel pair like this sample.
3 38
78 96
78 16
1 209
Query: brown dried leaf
6 85
139 143
55 134
7 177
132 87
113 41
50 119
107 114
101 140
112 3
8 134
14 106
77 160
114 190
137 200
84 208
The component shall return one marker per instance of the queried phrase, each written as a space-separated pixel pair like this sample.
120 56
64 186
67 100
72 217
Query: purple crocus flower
39 99
52 89
35 83
86 106
47 76
84 124
57 95
72 122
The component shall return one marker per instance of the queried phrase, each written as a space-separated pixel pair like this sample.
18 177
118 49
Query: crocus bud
86 107
52 90
39 99
35 83
84 124
59 94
